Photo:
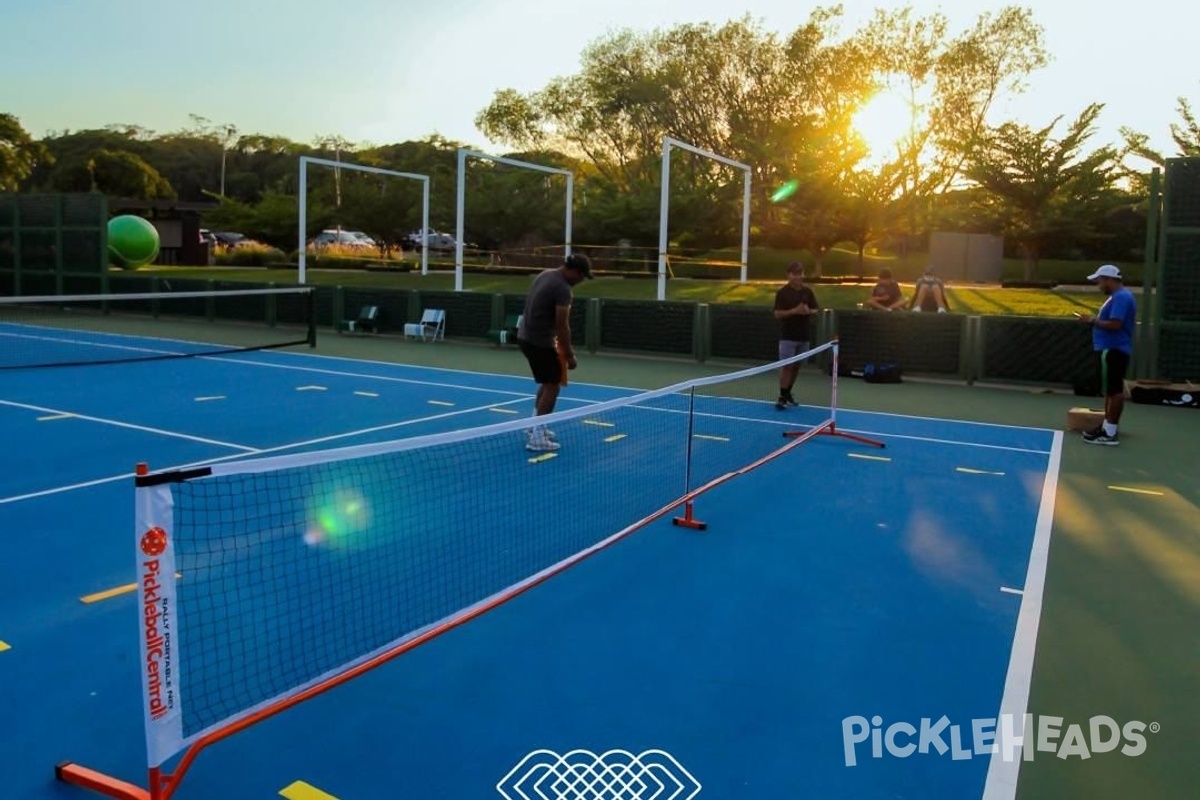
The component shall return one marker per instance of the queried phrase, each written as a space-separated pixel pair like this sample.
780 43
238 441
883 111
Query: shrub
251 254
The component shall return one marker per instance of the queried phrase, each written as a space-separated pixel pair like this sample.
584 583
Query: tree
1185 134
951 85
117 174
20 153
1034 186
780 104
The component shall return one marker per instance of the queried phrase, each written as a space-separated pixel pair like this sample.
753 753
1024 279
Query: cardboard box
1084 419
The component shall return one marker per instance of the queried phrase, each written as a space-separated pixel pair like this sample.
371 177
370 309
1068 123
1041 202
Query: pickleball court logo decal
613 775
154 542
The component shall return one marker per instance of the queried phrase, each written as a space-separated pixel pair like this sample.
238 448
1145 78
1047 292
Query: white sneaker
538 442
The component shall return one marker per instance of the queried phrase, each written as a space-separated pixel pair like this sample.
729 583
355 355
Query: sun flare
883 122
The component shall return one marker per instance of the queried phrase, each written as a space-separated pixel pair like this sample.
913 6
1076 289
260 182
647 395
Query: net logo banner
159 639
579 774
985 737
156 626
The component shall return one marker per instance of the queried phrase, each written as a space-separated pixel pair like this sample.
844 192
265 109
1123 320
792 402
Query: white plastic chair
431 327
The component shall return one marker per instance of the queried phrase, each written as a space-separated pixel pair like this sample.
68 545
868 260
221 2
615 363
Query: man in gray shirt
544 336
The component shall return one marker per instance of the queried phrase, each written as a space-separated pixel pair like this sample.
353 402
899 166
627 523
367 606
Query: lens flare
785 191
337 519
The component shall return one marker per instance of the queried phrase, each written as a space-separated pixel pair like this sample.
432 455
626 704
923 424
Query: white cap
1107 271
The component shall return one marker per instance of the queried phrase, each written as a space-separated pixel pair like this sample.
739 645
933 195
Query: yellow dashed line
1131 490
108 594
303 791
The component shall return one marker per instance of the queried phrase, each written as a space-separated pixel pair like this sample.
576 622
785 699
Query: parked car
229 238
343 239
437 241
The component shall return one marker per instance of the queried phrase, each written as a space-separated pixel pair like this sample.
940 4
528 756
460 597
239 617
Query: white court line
131 426
102 345
365 375
1002 772
797 425
634 390
1010 590
264 451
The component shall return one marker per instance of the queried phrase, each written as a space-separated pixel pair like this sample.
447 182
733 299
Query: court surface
836 583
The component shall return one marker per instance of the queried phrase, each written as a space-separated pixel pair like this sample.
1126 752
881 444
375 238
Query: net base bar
98 782
831 429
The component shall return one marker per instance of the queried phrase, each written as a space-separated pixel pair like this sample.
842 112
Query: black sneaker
1093 434
791 401
781 403
1102 438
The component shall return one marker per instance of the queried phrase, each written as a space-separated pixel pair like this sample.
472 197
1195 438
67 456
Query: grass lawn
966 298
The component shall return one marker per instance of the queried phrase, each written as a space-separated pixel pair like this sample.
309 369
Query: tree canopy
784 103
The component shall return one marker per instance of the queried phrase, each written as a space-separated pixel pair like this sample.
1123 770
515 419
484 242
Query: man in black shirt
886 296
795 305
544 336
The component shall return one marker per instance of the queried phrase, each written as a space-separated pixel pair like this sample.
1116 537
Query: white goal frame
665 204
459 233
302 203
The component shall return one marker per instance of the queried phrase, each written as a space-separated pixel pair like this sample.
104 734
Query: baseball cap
579 262
1107 271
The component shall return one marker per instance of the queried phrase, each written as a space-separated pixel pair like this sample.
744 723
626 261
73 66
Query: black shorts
1113 366
543 361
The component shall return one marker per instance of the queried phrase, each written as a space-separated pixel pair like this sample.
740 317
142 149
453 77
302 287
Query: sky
381 71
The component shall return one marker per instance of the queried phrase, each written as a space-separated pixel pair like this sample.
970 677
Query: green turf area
967 299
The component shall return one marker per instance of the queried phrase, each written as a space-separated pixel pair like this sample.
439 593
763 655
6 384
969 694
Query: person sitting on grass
930 294
886 296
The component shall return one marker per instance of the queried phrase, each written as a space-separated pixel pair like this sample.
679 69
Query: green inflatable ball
132 242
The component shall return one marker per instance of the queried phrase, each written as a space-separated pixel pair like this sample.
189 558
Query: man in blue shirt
1112 338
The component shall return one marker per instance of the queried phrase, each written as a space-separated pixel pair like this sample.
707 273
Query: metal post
746 227
1148 331
663 203
1156 316
425 227
570 205
303 201
458 231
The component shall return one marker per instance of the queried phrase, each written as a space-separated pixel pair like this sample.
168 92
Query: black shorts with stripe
1113 366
